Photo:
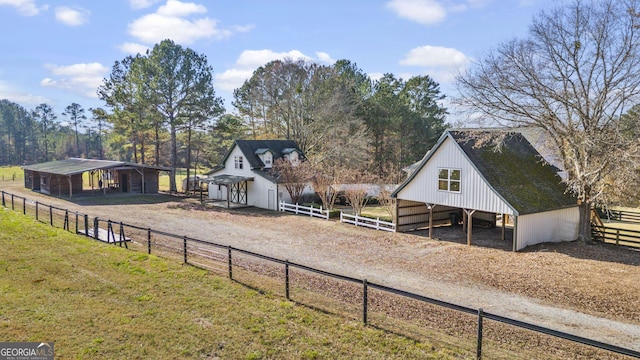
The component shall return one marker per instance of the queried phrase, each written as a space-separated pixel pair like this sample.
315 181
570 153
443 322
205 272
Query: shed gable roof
73 166
517 173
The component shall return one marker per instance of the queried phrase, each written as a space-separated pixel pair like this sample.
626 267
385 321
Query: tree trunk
585 222
174 157
188 159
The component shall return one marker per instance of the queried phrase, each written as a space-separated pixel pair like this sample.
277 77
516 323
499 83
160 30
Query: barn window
449 180
238 162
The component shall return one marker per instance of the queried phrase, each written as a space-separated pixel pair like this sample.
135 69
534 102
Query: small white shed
479 181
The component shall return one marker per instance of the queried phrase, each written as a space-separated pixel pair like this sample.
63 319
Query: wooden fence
367 222
304 210
620 215
615 235
224 255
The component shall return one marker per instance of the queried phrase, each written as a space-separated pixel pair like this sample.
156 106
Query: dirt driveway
587 290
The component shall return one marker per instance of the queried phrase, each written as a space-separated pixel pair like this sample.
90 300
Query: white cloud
178 21
134 48
141 4
325 58
24 7
72 17
250 60
434 56
421 11
82 78
9 92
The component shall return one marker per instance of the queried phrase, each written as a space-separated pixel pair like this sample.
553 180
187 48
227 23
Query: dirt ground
587 290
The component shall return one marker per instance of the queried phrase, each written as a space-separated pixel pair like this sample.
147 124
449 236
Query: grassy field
7 173
99 301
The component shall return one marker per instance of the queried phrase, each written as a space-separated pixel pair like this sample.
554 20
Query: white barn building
479 182
245 176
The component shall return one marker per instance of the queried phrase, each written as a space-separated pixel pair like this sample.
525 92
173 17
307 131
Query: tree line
161 109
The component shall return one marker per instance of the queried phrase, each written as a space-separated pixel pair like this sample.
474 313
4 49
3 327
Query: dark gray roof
518 173
73 166
249 148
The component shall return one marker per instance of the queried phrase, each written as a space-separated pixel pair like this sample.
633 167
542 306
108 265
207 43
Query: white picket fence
304 210
367 222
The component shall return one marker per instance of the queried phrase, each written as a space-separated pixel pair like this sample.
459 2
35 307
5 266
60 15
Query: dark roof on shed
74 166
518 173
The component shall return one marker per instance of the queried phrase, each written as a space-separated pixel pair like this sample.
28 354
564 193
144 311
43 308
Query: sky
58 52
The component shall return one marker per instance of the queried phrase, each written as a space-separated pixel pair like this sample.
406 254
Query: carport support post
504 220
430 207
469 218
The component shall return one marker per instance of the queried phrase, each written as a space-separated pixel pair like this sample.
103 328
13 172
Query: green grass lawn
100 301
8 173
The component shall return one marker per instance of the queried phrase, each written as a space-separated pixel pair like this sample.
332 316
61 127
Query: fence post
378 224
96 222
123 239
149 241
286 279
24 206
479 347
184 242
12 206
36 207
76 222
86 225
65 226
51 215
365 301
3 204
230 264
617 236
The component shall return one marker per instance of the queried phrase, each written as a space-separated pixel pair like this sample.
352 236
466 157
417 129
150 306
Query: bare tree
577 71
322 181
356 189
293 175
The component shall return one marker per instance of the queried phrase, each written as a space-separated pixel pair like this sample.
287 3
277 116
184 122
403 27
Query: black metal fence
359 293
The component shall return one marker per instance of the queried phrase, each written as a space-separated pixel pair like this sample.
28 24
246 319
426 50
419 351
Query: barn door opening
124 182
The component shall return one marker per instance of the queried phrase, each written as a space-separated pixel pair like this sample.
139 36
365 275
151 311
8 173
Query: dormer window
266 156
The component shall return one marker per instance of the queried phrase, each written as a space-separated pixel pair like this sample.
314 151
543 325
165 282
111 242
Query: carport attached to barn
478 181
64 177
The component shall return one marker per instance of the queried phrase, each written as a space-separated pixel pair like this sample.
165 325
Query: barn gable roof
252 148
74 166
517 173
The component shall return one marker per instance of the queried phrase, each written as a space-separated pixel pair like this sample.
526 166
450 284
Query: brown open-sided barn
64 177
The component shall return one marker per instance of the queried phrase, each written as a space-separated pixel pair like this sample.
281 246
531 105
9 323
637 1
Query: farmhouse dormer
291 154
266 156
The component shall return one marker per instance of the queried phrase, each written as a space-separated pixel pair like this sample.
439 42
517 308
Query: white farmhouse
245 176
458 177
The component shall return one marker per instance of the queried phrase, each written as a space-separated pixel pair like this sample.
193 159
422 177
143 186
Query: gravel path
587 291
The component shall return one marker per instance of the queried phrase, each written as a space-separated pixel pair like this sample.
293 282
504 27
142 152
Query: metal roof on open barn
73 166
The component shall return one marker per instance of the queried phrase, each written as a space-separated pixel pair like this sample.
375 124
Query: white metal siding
474 193
551 226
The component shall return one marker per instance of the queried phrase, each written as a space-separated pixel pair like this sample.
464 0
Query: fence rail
620 215
615 235
367 222
304 210
187 247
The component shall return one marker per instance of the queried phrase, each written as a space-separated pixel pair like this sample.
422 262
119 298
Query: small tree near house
294 176
356 189
322 181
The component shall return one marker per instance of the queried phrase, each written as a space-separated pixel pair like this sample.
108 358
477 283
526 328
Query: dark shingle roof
249 148
518 173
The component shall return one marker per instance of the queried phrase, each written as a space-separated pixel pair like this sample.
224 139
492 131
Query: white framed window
238 162
449 180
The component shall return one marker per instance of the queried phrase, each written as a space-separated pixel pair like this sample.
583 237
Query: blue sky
58 52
